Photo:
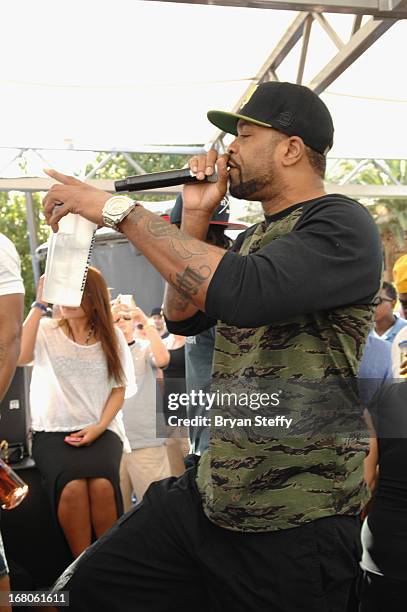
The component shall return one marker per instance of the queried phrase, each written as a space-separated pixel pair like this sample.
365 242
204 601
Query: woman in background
81 368
148 460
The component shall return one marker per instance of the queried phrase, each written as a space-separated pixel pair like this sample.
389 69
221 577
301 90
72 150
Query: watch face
117 207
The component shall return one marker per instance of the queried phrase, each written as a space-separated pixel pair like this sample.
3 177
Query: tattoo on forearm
178 240
189 282
180 249
175 302
184 285
158 228
137 214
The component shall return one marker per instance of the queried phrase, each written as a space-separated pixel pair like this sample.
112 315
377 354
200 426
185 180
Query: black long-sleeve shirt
321 264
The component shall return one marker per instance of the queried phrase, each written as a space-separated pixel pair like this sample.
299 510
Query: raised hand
72 196
40 289
204 198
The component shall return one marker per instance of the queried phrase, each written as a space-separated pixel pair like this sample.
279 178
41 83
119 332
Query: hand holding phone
72 439
127 299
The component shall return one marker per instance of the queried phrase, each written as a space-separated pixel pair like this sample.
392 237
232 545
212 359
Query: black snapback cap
292 109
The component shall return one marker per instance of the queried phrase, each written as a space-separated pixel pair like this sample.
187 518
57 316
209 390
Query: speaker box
34 543
15 410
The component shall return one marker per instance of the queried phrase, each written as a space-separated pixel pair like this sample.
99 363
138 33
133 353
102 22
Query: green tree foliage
13 224
370 173
390 214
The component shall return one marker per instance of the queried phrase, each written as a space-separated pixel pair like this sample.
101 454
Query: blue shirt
392 332
375 367
198 373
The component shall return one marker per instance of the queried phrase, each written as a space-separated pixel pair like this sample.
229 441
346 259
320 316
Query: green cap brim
227 122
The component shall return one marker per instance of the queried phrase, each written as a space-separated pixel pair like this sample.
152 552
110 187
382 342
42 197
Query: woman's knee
100 487
73 491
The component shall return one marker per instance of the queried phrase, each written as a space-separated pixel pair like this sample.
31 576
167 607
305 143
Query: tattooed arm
176 306
186 263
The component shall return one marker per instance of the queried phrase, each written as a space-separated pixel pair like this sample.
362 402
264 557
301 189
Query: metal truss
385 14
378 8
108 156
29 185
163 149
19 155
361 164
34 184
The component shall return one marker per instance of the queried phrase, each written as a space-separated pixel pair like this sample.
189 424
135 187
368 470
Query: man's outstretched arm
187 263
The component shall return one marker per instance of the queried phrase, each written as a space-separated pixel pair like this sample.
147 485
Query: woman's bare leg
103 509
74 515
4 588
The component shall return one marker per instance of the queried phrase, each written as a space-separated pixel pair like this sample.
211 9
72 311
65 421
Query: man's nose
233 147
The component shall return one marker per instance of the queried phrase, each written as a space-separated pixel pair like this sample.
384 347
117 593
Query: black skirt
59 462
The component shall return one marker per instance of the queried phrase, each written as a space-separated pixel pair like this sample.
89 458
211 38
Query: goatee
245 190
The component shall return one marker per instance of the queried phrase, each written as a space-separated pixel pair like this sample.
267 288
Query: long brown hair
96 304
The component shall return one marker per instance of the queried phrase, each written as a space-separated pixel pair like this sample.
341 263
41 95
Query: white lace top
70 384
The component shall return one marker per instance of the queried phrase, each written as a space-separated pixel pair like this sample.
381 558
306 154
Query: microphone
159 180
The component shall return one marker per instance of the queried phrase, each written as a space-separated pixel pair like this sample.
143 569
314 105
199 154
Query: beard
253 188
246 189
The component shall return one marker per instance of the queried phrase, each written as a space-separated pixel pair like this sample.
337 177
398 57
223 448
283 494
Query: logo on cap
285 118
224 206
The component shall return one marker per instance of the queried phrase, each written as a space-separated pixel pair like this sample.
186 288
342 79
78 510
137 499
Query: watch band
135 204
40 307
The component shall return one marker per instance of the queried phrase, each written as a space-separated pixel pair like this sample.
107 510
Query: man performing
260 524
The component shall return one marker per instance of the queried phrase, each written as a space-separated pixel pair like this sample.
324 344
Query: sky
98 74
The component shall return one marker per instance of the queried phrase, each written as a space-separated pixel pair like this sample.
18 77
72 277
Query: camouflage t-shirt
293 307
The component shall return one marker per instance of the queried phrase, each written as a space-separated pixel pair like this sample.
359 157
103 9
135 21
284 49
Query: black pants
381 594
165 555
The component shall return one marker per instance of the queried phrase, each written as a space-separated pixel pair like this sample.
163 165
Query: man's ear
294 151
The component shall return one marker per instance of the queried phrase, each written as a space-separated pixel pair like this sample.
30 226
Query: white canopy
99 75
